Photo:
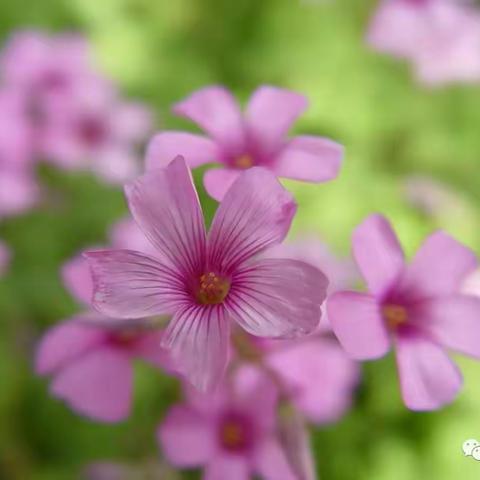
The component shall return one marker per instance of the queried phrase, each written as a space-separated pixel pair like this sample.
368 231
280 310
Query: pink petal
196 149
398 28
198 339
77 279
453 321
378 253
131 122
217 112
217 181
116 164
165 205
428 378
66 342
255 214
129 284
126 235
270 113
99 385
18 192
311 159
277 297
231 467
148 347
439 267
357 322
186 437
320 376
271 462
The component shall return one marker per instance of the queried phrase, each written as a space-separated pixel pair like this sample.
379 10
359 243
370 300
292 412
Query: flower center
244 161
92 131
394 315
212 289
234 435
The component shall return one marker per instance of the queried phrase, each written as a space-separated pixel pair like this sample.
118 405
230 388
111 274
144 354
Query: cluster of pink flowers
56 107
235 315
441 38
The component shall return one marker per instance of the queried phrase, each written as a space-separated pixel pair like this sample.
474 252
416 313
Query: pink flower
208 282
46 66
238 142
440 37
90 361
78 118
90 356
18 188
318 375
96 130
232 434
417 307
4 258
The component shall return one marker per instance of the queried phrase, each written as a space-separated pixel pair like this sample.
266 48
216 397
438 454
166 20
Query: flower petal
311 159
320 376
277 297
129 284
98 385
453 321
271 462
198 339
358 324
255 214
166 207
76 277
378 253
148 347
217 112
428 378
270 113
439 267
64 343
196 149
217 181
186 437
231 467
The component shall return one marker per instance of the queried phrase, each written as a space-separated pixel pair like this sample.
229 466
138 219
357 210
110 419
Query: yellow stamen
232 435
394 315
212 289
244 161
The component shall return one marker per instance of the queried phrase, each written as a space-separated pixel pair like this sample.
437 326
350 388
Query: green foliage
159 51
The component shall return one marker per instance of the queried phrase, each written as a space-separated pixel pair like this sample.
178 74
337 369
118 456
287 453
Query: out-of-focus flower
231 434
4 258
96 130
18 189
239 142
419 307
90 360
440 37
208 283
78 117
318 376
46 66
316 372
89 356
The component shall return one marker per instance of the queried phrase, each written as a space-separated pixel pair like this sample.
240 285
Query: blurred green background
159 51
